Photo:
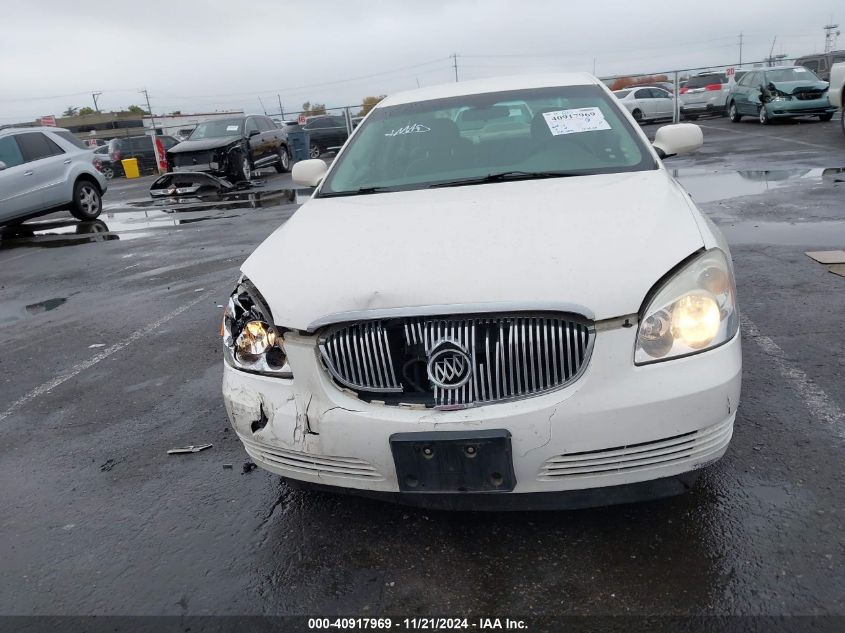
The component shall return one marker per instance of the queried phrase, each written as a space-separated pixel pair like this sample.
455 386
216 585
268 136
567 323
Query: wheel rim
246 169
314 151
638 116
733 111
108 172
763 115
284 158
89 199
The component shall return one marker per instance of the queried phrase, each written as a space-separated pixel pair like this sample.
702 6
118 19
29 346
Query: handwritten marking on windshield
415 128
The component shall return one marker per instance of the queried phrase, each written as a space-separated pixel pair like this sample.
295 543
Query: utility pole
150 110
830 35
740 49
152 130
771 51
95 95
281 109
262 105
455 64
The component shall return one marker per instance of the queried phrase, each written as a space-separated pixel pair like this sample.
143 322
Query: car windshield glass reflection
572 130
791 74
214 129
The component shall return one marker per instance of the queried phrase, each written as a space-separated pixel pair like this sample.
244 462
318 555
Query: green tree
133 109
70 111
310 109
368 103
85 110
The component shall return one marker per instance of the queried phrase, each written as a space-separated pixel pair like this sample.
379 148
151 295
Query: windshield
571 130
791 74
220 127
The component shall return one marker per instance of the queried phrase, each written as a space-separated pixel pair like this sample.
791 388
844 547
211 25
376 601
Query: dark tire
691 117
240 168
87 202
763 116
315 151
283 165
733 113
638 116
826 117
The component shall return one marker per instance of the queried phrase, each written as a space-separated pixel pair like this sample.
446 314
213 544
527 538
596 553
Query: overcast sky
208 55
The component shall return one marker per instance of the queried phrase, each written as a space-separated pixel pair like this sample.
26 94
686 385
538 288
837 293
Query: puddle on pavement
817 234
45 306
12 311
707 185
126 220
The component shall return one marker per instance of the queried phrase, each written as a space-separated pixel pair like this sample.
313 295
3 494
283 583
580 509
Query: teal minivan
779 92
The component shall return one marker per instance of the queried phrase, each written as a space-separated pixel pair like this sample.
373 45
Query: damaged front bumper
188 183
617 425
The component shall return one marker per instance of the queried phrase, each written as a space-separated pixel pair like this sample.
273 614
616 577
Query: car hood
203 144
791 87
590 244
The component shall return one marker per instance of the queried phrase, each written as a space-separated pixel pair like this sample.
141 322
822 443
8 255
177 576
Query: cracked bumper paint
679 414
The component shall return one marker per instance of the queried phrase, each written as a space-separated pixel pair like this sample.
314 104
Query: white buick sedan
497 297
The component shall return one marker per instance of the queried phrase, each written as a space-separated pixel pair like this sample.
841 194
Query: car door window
264 124
250 126
643 93
35 146
10 153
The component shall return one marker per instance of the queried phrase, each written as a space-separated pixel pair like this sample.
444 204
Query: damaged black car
233 147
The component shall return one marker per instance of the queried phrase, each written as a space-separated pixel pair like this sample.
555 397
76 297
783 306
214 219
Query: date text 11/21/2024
415 624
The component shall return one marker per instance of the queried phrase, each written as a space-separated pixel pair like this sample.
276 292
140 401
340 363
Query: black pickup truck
233 147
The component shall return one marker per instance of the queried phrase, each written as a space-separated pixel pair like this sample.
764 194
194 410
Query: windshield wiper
503 176
363 191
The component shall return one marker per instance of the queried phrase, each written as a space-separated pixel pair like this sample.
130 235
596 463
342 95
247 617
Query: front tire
315 151
826 117
763 115
283 164
108 172
733 113
87 202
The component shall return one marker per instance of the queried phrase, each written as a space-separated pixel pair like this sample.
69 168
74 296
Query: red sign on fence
48 120
301 119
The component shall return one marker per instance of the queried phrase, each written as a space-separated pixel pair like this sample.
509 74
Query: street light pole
95 95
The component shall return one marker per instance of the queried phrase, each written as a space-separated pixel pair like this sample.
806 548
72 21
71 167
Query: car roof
783 67
42 128
493 84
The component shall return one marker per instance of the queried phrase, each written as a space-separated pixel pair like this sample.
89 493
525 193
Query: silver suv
705 93
44 169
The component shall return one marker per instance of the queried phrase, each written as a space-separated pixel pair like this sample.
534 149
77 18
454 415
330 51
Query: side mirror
309 173
252 133
2 165
680 138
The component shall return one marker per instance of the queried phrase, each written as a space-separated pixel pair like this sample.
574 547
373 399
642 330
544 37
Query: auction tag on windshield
798 69
231 128
575 121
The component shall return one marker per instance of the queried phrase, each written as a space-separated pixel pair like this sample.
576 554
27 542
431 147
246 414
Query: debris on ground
838 269
827 257
107 465
249 467
228 466
188 449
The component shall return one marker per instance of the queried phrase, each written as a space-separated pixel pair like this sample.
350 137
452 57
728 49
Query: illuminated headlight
252 341
693 311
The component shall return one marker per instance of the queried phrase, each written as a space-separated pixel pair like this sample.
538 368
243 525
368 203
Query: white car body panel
590 244
466 245
837 85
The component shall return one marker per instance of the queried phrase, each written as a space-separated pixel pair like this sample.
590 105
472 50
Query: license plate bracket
454 461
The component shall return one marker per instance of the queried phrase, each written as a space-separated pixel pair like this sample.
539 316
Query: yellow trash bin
130 167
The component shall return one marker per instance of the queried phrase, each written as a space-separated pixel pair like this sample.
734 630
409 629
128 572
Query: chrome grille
510 356
358 356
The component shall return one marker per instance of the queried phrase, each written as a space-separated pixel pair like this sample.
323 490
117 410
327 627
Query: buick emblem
449 366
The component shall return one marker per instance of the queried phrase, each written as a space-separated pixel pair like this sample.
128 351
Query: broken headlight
252 341
693 311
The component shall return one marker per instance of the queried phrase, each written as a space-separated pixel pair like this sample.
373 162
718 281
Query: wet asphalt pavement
111 356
